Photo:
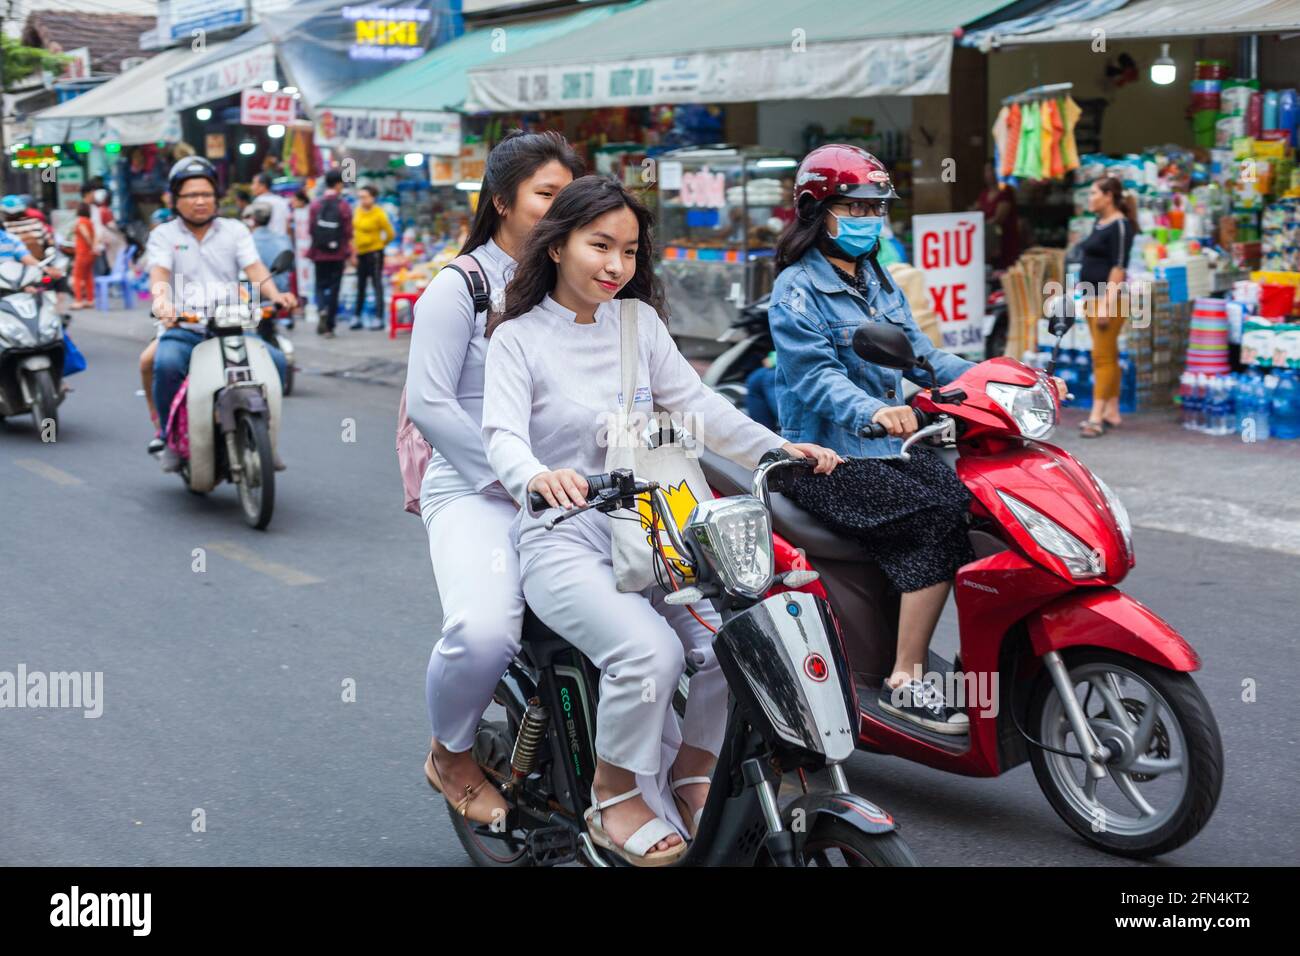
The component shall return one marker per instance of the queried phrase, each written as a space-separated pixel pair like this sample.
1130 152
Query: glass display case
721 209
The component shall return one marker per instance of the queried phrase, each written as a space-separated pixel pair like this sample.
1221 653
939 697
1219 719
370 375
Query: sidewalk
1169 479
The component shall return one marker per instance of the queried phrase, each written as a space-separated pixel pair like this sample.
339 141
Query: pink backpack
413 452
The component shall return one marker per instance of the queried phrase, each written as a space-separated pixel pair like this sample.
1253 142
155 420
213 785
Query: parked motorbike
751 338
789 709
225 421
31 343
1056 665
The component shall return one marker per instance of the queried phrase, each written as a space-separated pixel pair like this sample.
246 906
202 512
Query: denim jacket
826 393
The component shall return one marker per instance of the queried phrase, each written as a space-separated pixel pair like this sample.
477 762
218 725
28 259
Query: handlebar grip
595 485
874 430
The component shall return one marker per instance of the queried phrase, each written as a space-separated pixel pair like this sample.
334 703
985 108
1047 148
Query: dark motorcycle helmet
191 167
839 171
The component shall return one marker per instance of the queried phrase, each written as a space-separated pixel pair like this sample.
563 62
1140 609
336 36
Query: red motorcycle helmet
839 171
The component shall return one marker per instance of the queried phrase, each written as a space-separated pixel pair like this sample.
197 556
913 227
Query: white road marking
249 559
56 475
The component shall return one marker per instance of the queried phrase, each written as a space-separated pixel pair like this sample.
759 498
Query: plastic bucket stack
1207 346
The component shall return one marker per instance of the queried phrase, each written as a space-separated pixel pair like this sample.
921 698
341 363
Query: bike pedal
552 846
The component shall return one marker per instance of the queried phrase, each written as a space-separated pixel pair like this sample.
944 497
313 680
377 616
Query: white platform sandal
692 821
646 836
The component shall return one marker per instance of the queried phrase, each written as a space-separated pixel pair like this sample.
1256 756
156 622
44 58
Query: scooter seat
788 520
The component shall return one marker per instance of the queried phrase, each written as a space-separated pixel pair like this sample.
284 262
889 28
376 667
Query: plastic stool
393 324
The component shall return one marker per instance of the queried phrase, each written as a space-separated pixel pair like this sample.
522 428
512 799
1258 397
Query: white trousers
639 642
476 568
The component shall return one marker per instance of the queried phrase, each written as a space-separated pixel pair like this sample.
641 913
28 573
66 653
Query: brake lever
602 498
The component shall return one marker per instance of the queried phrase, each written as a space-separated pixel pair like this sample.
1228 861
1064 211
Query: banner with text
394 131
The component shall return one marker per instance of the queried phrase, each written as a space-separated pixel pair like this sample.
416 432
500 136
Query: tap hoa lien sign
387 33
393 131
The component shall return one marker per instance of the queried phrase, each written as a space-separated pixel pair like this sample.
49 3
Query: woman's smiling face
599 258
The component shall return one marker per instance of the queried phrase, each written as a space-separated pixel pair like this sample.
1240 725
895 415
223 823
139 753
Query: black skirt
911 516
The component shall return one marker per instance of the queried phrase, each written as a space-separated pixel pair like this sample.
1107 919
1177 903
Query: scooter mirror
282 263
1059 310
881 343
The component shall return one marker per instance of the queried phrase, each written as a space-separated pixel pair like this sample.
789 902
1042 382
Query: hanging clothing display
1069 148
1035 139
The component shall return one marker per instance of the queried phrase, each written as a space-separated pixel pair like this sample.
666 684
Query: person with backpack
331 247
466 512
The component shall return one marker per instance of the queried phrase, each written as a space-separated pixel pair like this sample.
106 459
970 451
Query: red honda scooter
1056 665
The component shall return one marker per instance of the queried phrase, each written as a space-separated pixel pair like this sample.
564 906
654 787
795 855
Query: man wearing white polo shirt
194 265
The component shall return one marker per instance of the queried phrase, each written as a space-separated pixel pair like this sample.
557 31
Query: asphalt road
223 688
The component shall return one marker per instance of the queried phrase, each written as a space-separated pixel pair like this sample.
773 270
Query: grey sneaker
923 703
171 462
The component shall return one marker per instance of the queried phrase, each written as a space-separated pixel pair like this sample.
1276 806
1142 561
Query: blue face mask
858 234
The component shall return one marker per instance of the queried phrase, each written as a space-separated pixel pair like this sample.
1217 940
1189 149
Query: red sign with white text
259 108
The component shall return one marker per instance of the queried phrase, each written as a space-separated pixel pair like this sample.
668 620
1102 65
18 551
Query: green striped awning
717 51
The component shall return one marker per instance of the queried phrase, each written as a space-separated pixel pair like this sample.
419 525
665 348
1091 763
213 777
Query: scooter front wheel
45 403
257 465
1162 783
833 842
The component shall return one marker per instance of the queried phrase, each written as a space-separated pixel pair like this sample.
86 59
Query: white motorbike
31 344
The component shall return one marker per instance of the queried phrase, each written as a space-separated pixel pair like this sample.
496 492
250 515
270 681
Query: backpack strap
475 279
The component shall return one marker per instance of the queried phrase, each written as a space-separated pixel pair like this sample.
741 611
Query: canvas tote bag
670 464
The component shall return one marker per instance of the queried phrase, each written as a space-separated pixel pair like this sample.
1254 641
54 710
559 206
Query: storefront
1195 111
848 76
121 132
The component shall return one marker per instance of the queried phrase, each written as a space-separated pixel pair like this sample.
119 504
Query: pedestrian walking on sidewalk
331 247
372 231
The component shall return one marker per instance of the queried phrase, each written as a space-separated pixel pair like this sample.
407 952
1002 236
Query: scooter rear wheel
257 463
1165 781
492 746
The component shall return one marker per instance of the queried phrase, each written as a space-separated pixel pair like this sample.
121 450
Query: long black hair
578 204
798 236
510 162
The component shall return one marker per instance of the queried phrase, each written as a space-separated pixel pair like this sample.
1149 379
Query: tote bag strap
628 353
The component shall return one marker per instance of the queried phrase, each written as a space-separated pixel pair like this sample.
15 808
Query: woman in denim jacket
911 516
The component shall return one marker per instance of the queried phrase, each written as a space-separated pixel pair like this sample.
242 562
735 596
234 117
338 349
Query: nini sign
386 33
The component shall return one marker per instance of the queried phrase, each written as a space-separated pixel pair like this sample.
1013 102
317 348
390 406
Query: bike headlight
15 331
230 316
50 324
1033 409
1119 511
735 536
1081 560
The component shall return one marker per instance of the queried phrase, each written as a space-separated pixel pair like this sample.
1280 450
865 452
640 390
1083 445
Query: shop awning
1071 21
221 70
129 109
437 81
727 51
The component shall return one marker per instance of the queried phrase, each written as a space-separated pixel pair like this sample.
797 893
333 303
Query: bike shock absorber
524 758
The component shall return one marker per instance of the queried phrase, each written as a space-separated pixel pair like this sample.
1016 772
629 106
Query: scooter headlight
1119 511
230 316
15 331
1033 409
735 536
50 324
1081 560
